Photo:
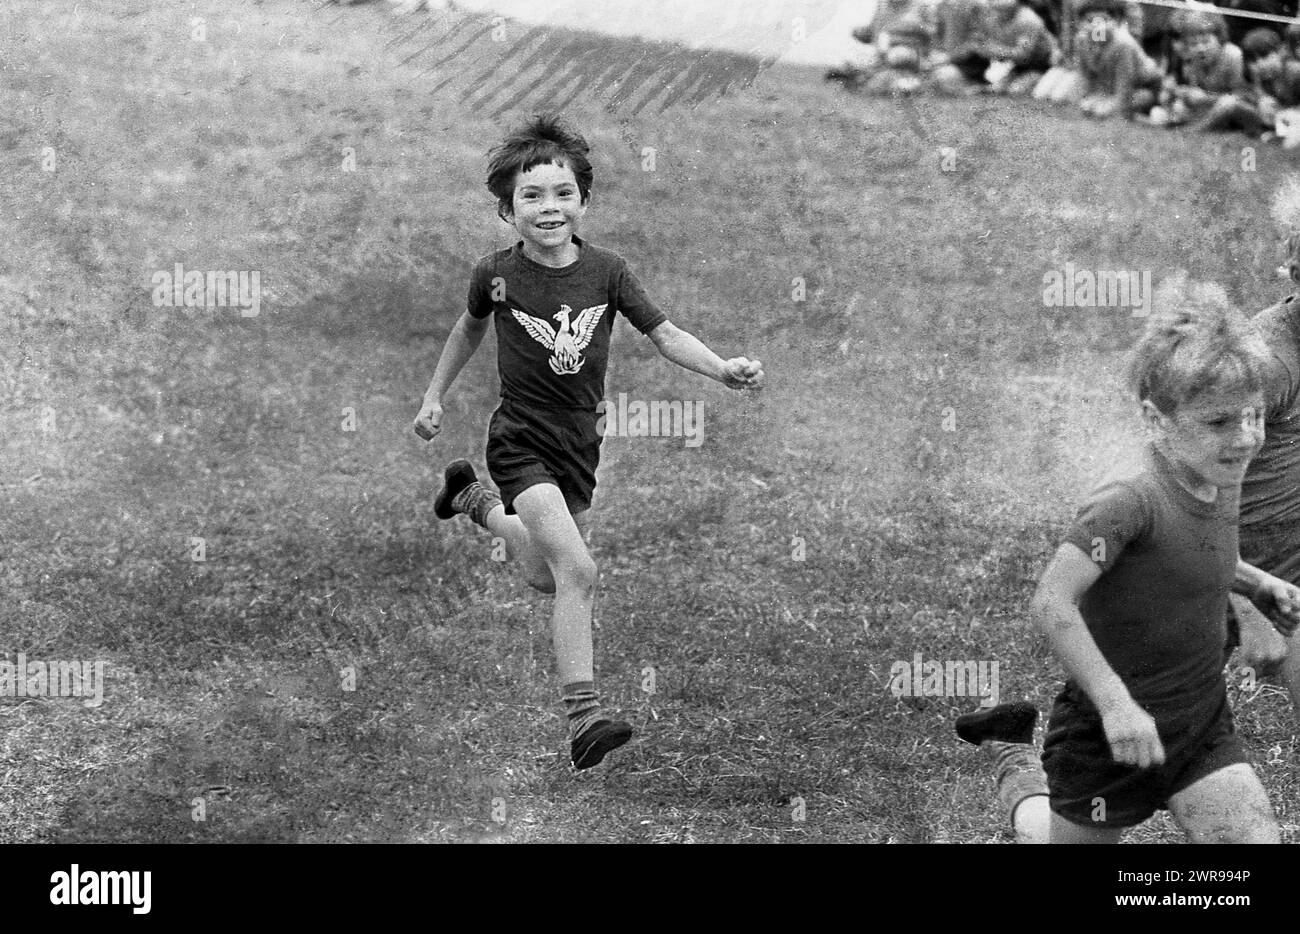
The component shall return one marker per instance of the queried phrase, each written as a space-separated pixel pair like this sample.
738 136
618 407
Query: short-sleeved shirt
1158 610
553 325
1285 87
1119 67
1270 493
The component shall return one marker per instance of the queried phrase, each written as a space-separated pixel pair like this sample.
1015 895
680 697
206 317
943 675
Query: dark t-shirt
1168 561
1285 88
1270 493
553 325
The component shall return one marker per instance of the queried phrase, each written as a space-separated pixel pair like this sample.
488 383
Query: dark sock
582 705
475 501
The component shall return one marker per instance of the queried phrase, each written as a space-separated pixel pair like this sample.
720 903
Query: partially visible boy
1119 78
1241 26
898 41
1270 492
1014 53
960 28
1254 107
1274 86
1208 69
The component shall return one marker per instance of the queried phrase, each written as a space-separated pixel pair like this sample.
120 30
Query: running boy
1270 492
1135 601
543 443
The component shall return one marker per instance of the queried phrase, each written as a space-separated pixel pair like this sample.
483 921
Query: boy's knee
580 573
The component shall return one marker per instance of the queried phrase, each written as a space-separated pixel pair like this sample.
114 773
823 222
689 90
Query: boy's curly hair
546 139
1260 42
1195 342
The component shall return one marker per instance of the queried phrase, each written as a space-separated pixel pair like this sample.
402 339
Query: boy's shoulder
1128 482
603 256
491 262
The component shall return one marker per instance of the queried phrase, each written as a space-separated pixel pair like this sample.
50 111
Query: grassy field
130 429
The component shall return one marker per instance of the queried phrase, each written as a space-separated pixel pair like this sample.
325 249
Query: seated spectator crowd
1162 66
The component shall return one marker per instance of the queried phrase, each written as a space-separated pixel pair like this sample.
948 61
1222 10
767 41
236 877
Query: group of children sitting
1107 62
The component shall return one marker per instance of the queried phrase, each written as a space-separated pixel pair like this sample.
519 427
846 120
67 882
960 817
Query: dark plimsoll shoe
593 743
1006 723
458 475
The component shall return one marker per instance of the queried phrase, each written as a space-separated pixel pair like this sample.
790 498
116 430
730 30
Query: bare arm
1129 729
1276 599
689 352
463 340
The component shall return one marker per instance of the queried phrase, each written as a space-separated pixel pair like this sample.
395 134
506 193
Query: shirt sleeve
634 303
1282 374
479 303
1113 518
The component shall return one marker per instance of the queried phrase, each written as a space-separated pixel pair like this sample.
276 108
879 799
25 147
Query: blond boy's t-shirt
1158 610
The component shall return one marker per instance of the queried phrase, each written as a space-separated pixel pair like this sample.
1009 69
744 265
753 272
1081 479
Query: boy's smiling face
1202 48
1213 436
546 208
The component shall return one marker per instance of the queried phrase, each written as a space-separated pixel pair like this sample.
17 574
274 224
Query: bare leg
1227 806
519 546
1065 831
1032 820
554 537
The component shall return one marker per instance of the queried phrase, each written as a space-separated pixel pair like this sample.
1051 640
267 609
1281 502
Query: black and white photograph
631 422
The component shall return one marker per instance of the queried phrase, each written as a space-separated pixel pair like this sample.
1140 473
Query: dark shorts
528 445
1085 783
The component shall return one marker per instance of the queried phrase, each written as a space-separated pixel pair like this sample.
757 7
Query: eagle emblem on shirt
567 340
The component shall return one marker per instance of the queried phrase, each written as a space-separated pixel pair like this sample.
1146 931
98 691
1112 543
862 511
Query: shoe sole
456 470
607 742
